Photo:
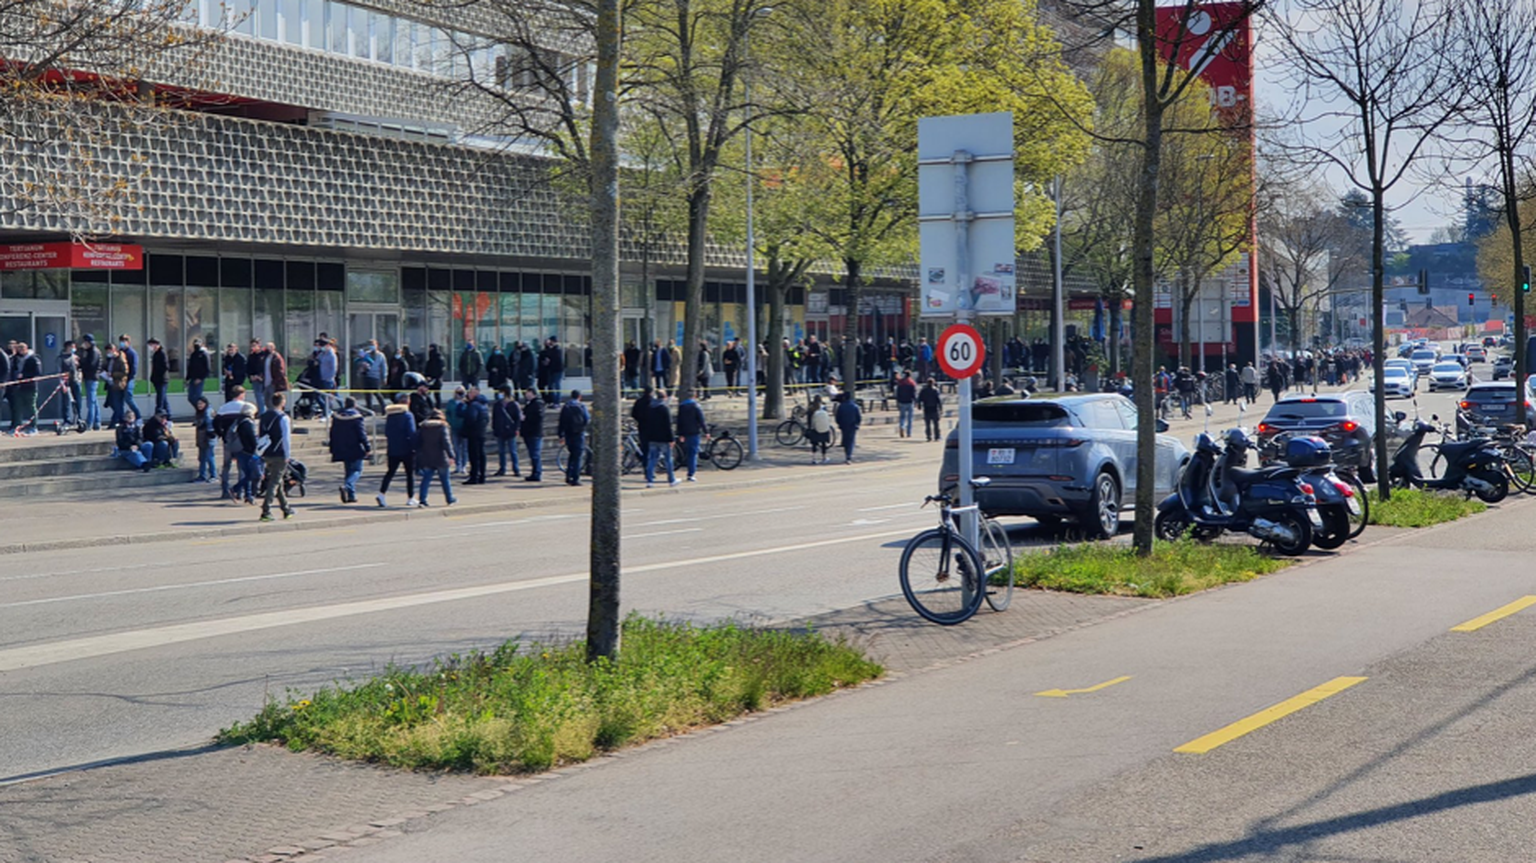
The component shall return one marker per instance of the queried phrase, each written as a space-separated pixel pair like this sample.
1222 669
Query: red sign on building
65 256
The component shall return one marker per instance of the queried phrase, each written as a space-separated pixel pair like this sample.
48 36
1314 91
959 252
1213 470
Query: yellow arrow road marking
1497 614
1063 693
1201 745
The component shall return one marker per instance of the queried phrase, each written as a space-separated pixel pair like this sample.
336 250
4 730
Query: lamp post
751 351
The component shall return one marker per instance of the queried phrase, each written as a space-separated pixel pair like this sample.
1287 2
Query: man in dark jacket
659 364
631 366
197 371
848 420
69 367
573 431
906 401
29 367
349 445
471 364
477 421
496 369
400 450
90 375
523 367
690 430
436 369
159 376
533 434
656 432
552 366
233 370
421 404
435 456
932 404
730 363
506 419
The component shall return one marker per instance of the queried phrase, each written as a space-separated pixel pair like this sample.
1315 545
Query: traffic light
1525 283
1471 298
1423 281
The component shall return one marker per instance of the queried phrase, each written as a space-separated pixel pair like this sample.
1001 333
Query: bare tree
1498 58
1305 248
1376 84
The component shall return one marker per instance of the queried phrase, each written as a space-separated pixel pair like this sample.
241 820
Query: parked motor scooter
1339 500
1473 466
1215 495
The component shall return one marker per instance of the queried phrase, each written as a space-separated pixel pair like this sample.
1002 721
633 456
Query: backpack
232 438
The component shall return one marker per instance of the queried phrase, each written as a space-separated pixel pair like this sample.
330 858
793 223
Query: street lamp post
751 351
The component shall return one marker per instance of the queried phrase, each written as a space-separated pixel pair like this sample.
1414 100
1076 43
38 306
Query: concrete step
39 469
50 447
95 482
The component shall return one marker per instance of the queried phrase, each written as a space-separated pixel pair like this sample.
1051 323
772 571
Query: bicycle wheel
832 436
560 459
725 453
940 577
1435 463
997 563
789 433
1358 520
631 461
1521 464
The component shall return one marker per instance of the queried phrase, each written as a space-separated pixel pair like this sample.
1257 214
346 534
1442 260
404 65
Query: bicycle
1519 457
562 457
791 432
721 450
944 578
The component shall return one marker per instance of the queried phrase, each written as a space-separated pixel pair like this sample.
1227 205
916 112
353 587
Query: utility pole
603 586
1058 311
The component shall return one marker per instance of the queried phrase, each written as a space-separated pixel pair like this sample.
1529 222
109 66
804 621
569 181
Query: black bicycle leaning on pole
944 577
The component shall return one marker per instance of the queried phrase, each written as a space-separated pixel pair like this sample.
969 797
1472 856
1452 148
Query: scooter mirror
1209 411
1400 416
1434 417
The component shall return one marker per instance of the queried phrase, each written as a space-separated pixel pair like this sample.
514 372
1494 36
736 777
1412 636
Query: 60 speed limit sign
960 351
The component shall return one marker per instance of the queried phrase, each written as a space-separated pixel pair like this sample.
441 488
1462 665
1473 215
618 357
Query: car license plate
1353 504
1317 519
1000 455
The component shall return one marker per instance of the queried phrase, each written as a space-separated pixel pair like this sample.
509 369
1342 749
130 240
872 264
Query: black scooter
1340 496
1215 495
1472 466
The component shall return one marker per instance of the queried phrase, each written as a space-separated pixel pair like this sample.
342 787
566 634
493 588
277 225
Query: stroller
310 403
295 475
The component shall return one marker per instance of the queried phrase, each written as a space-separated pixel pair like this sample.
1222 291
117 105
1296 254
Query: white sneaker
380 499
676 482
650 485
410 503
691 479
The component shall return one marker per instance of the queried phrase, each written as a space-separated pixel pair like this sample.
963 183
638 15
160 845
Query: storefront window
573 333
201 317
299 322
127 312
511 328
267 314
439 308
329 315
88 312
235 317
373 286
528 325
165 321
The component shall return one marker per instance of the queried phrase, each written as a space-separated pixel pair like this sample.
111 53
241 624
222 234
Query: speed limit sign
960 351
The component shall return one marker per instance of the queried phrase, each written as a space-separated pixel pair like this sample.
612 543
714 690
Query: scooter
1472 466
1339 501
1214 495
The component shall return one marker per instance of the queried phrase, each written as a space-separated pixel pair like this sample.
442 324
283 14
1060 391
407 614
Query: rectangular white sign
985 191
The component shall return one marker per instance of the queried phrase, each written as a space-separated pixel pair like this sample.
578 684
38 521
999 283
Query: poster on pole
965 215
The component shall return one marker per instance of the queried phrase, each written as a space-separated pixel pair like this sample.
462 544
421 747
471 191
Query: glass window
413 296
267 314
438 308
404 53
242 16
235 317
165 319
511 316
425 42
373 286
127 313
336 27
314 24
299 324
549 318
266 18
201 317
88 312
573 332
528 323
291 21
358 36
383 38
329 314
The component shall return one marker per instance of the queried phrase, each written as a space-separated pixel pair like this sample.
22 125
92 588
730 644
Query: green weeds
1422 507
1173 569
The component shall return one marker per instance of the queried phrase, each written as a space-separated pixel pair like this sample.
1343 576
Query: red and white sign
65 256
961 351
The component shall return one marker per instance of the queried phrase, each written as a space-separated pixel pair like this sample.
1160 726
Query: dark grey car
1052 458
1347 421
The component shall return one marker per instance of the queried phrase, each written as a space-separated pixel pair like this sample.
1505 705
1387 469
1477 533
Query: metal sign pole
963 215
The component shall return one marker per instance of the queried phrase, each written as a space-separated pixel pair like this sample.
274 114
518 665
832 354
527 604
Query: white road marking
517 521
859 522
906 505
185 585
720 515
80 571
662 533
35 655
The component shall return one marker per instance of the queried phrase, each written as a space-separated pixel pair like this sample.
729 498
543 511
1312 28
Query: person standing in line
224 423
573 431
552 364
906 404
131 361
30 369
276 428
533 434
375 371
691 427
524 368
349 445
631 365
848 421
421 404
197 371
454 412
232 371
395 370
434 457
496 369
255 361
1250 379
656 431
400 451
436 370
730 363
246 461
1231 383
477 421
159 376
661 365
69 367
818 430
90 376
471 364
328 369
706 370
506 419
202 425
933 408
117 381
675 366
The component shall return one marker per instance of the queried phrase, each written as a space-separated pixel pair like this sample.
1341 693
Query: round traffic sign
961 352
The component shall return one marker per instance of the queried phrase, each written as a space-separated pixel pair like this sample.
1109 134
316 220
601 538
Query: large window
373 286
88 312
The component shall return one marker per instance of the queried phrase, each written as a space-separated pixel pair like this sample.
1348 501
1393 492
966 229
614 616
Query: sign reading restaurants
77 256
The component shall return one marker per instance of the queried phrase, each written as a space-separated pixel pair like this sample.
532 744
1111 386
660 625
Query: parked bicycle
945 578
719 448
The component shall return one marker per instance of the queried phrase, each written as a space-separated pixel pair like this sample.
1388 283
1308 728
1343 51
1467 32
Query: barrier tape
32 380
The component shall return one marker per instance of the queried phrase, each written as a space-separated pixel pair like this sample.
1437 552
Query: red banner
1215 40
64 256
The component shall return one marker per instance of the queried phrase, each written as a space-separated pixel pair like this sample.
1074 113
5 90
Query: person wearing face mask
31 368
198 367
131 358
90 375
471 364
159 376
69 367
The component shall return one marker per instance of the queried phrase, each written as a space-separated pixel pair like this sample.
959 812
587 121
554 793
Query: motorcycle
1340 497
1472 466
1215 495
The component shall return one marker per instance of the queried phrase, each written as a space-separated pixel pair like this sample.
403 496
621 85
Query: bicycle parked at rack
719 448
945 578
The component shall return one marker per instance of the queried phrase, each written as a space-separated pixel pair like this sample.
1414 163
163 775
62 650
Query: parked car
1397 383
1448 375
1346 421
1407 366
1495 403
1053 458
1424 359
1476 354
1503 367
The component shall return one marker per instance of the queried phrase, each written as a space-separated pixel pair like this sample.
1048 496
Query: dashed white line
75 597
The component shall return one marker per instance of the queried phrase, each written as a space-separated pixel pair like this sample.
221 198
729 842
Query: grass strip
522 710
1173 569
1415 507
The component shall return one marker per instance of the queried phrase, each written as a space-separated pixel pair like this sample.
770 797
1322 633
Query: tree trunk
1379 336
1186 299
778 286
1293 319
1116 315
851 322
693 311
1512 218
603 623
1144 275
